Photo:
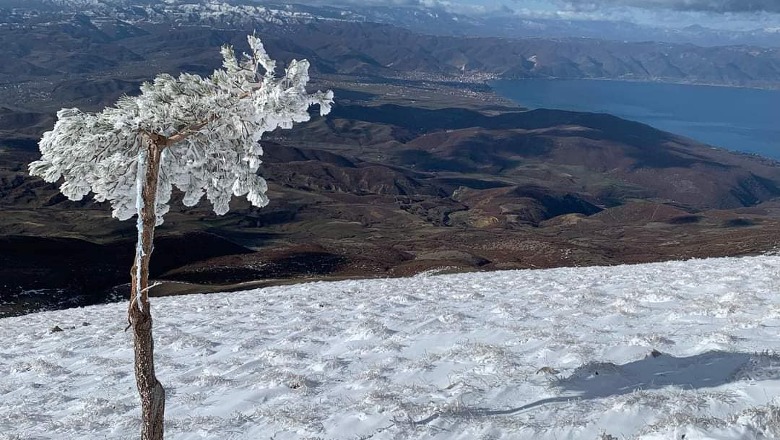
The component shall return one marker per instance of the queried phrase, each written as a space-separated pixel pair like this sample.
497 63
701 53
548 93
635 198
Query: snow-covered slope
648 352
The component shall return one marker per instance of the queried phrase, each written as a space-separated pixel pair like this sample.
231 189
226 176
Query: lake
746 120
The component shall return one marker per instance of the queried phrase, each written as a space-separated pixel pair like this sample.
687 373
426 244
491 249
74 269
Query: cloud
716 6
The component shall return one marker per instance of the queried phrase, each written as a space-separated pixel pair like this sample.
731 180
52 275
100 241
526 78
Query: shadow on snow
597 380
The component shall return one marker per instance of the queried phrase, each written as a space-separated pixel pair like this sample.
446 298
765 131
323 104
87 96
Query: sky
716 14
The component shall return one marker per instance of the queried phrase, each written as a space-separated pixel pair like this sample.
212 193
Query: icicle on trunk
139 314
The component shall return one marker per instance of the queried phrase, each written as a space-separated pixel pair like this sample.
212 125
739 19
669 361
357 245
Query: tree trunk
139 314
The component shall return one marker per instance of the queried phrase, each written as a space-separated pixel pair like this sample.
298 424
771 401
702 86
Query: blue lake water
746 120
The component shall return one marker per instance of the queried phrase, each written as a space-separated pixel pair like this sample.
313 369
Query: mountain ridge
123 35
439 19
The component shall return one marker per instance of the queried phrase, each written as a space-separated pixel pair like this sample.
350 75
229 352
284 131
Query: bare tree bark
139 314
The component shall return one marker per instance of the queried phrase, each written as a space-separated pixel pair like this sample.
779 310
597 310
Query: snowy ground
551 354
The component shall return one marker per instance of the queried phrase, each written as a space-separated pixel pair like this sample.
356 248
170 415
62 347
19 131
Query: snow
185 12
628 352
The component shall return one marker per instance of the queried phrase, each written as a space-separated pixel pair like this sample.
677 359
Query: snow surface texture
552 354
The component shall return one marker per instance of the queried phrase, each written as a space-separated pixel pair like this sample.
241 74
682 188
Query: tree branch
188 131
194 128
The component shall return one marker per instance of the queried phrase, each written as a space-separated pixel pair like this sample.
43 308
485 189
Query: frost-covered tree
197 134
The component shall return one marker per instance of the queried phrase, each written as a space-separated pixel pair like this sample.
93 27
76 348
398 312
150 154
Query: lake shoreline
740 119
770 87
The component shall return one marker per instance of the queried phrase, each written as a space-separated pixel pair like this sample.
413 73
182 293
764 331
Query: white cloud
715 6
717 14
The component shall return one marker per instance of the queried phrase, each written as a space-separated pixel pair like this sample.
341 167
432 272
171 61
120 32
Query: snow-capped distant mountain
430 20
214 13
348 40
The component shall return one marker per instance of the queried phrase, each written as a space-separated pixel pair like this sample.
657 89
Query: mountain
437 19
443 20
389 190
419 166
126 38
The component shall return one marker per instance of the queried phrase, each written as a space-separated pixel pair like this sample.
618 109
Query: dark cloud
718 6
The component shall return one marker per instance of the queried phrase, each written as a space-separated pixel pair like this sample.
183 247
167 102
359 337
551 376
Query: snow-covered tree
197 134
